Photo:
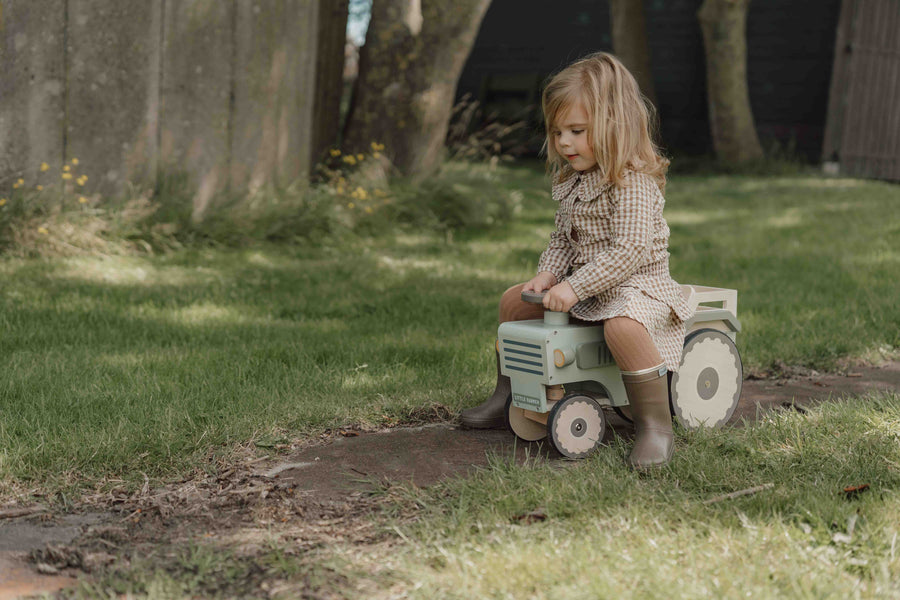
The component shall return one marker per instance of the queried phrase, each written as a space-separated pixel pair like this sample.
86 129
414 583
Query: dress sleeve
631 236
558 256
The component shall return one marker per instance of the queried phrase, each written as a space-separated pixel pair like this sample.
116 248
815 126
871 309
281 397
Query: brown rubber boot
489 414
648 397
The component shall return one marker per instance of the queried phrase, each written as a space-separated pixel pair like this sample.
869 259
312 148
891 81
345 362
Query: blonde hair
622 121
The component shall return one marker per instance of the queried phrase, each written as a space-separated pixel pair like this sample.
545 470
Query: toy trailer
552 352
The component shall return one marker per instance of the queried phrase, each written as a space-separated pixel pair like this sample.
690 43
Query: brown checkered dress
611 245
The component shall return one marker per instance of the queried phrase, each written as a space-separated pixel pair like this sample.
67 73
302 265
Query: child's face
571 138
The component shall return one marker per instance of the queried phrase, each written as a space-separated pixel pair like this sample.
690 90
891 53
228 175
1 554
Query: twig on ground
747 492
12 513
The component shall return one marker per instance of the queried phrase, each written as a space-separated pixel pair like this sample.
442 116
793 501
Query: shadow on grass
106 376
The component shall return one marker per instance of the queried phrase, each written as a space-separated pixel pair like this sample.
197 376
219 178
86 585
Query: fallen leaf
349 433
852 491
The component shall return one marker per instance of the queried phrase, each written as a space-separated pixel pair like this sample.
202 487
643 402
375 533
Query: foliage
54 215
351 196
473 136
460 197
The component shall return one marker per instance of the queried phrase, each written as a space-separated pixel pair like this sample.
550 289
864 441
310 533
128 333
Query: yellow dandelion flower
39 188
351 205
2 201
360 157
82 200
67 176
75 161
342 180
340 189
43 230
80 181
44 167
350 160
85 177
16 185
376 154
67 168
334 152
377 147
362 193
21 182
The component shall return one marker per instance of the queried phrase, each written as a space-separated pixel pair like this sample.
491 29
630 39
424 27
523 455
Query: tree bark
329 75
414 53
629 38
724 25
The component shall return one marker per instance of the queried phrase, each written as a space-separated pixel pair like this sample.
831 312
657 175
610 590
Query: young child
607 260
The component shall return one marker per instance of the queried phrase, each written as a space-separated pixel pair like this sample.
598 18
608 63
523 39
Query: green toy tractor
541 354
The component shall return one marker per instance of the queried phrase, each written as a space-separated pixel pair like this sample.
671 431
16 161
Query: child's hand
540 282
561 297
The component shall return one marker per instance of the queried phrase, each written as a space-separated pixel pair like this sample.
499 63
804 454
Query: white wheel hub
707 387
576 426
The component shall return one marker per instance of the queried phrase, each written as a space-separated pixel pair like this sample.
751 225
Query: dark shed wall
790 50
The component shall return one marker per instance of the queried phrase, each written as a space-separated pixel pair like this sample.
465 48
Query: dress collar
590 184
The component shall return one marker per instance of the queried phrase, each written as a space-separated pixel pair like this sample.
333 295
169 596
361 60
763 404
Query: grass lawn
114 366
606 532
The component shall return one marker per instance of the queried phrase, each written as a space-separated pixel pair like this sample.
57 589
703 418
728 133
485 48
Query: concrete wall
140 89
197 83
32 88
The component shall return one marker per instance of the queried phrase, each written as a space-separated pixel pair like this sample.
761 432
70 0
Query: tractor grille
524 357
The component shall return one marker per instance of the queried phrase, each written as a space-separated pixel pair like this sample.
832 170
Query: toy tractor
541 354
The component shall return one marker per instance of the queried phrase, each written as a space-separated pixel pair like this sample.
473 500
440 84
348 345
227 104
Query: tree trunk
408 70
329 75
629 38
724 24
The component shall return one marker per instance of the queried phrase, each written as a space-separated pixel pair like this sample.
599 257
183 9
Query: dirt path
311 497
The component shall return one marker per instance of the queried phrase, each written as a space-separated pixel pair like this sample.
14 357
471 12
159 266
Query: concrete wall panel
32 89
113 90
297 112
221 89
272 91
196 94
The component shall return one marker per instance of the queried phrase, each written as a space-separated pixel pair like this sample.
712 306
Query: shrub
348 196
461 196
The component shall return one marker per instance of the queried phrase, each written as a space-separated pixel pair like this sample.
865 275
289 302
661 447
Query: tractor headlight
563 357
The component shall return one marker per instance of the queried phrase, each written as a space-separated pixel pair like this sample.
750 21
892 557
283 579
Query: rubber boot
489 414
648 397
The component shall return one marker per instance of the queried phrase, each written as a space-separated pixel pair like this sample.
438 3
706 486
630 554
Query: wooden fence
862 134
220 90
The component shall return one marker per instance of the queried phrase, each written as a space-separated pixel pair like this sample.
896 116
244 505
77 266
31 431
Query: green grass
612 533
815 261
115 366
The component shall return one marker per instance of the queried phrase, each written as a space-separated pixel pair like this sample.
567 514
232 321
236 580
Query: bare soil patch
299 504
